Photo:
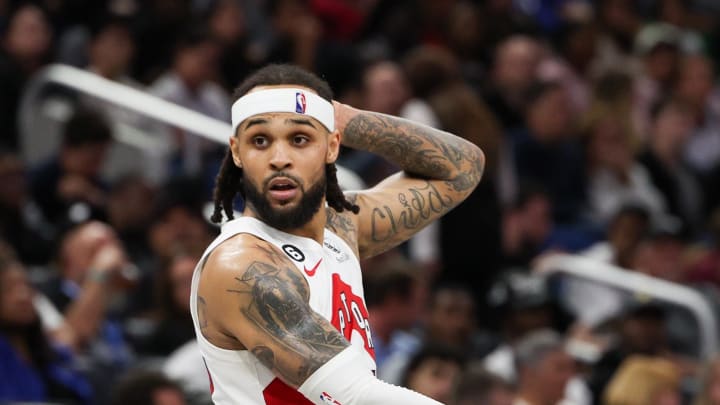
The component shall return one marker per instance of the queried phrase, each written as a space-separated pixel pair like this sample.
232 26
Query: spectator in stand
177 222
615 178
576 43
594 303
239 55
22 223
478 387
644 381
464 32
111 48
147 388
521 304
450 321
526 227
190 83
659 48
34 367
26 47
68 187
175 225
172 322
392 28
129 214
661 253
514 69
662 158
642 330
548 153
696 87
435 371
619 22
395 295
93 274
544 369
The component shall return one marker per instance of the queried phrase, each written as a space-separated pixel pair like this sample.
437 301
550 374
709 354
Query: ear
333 146
235 150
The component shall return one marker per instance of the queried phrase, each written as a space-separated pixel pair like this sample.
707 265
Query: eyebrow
255 121
299 121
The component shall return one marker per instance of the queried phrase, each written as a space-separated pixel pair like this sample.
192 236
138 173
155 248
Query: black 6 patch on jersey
294 253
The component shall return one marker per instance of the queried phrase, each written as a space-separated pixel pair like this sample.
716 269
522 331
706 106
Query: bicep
275 322
399 207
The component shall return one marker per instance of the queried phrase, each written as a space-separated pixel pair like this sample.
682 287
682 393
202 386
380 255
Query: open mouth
282 188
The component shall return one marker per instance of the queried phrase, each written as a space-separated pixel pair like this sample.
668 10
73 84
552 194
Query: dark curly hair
229 181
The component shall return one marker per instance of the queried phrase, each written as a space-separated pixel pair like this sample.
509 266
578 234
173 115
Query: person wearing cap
277 299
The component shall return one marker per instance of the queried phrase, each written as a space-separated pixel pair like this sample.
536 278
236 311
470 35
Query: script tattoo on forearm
279 307
418 149
420 205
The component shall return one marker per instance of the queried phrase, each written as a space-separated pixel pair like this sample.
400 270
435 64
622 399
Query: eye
300 139
260 141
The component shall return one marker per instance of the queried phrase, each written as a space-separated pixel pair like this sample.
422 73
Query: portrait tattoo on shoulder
299 340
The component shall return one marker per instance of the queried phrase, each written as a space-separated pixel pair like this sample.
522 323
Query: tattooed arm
252 297
439 170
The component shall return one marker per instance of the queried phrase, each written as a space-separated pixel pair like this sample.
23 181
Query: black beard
289 219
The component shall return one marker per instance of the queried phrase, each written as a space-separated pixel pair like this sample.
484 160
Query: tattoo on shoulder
278 306
342 225
202 312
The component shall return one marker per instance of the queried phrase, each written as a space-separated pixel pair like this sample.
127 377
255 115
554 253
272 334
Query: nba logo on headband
300 103
283 100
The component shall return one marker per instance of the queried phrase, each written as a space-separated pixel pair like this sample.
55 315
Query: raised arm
439 170
252 297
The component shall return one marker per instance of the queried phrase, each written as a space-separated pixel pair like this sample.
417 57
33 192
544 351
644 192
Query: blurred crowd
600 121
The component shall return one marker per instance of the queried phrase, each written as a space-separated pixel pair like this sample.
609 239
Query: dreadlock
229 181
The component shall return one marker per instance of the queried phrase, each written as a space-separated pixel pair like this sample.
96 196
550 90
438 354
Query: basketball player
277 298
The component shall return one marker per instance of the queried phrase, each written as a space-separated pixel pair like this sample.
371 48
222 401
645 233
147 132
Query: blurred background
583 270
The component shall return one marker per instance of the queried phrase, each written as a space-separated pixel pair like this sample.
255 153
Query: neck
313 229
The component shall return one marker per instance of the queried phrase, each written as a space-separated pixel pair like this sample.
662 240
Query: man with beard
277 298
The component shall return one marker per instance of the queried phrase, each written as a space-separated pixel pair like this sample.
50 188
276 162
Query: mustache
296 180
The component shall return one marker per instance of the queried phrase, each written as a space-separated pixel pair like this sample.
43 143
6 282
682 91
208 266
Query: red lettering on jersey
279 393
349 313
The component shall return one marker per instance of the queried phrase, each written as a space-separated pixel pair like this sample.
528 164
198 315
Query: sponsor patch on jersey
339 255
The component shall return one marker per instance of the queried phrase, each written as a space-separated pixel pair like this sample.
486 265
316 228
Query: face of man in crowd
436 378
283 157
16 298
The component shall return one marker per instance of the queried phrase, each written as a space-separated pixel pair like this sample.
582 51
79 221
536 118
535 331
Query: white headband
283 100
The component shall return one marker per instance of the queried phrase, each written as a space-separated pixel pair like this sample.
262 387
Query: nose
280 158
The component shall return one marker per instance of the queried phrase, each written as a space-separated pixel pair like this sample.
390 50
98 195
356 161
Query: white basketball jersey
333 273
